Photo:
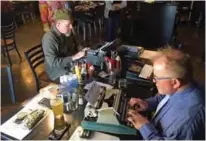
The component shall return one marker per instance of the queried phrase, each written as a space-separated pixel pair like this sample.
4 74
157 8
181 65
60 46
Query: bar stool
85 21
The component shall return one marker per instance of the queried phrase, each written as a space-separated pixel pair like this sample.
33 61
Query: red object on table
118 63
112 63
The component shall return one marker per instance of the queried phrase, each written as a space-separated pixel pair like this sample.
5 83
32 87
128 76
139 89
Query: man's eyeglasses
155 79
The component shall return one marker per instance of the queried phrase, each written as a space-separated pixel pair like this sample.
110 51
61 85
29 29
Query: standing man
60 45
112 18
180 108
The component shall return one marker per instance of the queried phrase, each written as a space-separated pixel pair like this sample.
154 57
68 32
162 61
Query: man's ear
176 83
57 24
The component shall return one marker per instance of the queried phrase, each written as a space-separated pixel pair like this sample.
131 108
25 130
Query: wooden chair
8 41
85 19
35 58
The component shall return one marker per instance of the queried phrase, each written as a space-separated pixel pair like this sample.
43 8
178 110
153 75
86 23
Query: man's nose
70 26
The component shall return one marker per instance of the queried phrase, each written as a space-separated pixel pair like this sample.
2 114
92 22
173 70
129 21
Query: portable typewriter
108 113
96 56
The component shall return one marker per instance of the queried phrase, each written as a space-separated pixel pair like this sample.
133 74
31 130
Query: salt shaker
81 100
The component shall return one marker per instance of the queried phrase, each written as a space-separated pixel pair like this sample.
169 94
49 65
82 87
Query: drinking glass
57 108
122 83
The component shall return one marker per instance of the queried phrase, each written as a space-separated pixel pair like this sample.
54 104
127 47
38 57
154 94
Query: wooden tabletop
148 54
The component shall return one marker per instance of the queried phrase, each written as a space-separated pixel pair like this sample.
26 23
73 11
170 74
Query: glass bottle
80 94
78 73
72 68
75 98
57 108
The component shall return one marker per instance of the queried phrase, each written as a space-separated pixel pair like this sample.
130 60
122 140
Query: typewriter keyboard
146 71
123 109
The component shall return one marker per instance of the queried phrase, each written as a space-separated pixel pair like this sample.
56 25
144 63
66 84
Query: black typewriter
115 105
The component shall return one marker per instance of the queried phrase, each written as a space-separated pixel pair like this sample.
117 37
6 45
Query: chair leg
95 28
32 17
23 19
78 30
100 25
3 50
17 51
37 85
15 24
90 30
84 31
8 56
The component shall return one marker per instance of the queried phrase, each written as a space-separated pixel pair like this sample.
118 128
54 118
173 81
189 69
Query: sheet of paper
107 86
111 92
103 74
93 93
107 116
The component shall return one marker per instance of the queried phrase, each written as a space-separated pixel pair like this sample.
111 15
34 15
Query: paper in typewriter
107 116
94 89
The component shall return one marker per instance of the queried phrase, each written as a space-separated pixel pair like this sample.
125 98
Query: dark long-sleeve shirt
58 50
181 118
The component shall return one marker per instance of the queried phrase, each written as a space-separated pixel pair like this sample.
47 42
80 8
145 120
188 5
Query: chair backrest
35 57
7 86
8 31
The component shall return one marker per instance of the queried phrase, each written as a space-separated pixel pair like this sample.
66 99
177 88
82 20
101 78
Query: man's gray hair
178 63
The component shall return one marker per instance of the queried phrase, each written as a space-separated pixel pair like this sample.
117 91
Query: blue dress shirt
182 117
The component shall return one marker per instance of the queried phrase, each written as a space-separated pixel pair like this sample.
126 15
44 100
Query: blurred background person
47 9
112 18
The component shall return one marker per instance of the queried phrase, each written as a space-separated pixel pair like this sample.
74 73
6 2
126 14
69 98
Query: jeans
112 25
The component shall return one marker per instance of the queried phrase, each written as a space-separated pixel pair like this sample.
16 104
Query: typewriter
108 113
96 56
139 72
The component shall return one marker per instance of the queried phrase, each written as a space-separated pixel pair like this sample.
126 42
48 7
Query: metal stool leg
32 17
78 29
90 30
100 25
84 31
95 28
22 16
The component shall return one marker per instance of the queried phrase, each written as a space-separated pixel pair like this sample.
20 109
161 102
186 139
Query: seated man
60 46
180 109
